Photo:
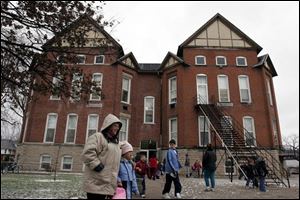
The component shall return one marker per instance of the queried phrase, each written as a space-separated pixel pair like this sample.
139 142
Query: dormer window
241 61
81 59
99 59
200 60
221 61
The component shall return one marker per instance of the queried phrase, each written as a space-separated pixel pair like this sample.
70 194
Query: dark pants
153 173
168 184
98 196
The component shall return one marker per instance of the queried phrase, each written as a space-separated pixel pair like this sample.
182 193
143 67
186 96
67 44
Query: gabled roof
265 61
172 55
228 24
128 56
76 24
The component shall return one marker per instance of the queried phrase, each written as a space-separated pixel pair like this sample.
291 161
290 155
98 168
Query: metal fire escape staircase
239 144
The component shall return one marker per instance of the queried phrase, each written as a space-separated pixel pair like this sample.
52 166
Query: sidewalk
193 188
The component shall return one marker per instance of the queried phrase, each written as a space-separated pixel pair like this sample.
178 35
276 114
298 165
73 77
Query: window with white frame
71 128
223 87
45 161
126 86
76 86
202 90
173 134
221 61
269 93
244 89
241 61
149 110
50 127
200 60
249 131
123 135
56 83
96 88
92 126
67 162
204 133
99 59
172 90
80 59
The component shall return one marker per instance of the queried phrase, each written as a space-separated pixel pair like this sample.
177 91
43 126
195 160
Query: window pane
241 61
93 122
201 80
50 135
200 60
80 59
173 129
99 59
70 135
173 84
243 83
221 61
52 121
245 95
67 162
248 124
123 131
72 121
46 159
97 78
125 84
125 96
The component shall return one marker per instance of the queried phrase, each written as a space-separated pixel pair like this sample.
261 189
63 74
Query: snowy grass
33 186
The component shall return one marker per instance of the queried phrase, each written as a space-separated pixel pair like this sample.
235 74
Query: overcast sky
151 29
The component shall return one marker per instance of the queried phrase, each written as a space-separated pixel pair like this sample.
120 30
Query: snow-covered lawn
69 186
33 186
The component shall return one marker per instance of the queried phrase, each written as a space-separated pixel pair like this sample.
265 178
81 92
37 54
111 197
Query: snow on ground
69 186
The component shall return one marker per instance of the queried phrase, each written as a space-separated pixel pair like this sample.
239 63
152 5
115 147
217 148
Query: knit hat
126 147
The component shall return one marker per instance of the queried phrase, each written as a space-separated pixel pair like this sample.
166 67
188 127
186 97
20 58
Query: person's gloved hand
99 167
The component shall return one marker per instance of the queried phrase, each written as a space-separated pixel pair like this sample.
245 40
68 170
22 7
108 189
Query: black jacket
209 160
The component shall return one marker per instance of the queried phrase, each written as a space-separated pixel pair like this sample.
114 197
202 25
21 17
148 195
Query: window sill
123 102
149 123
94 105
225 104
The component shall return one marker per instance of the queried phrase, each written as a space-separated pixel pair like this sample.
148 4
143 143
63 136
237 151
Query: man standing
172 167
209 167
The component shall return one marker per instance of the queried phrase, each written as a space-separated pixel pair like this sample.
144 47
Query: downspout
161 111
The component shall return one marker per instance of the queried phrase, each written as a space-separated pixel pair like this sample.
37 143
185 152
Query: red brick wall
143 84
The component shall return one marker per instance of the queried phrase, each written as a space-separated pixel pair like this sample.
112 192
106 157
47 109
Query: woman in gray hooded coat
101 156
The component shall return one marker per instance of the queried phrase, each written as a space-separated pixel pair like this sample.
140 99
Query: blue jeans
262 186
209 174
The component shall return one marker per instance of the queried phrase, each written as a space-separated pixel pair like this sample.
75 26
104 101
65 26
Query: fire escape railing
234 137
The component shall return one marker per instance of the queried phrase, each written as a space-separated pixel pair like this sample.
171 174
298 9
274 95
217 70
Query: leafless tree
26 27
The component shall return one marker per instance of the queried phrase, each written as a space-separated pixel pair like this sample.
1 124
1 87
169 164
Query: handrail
216 132
238 129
